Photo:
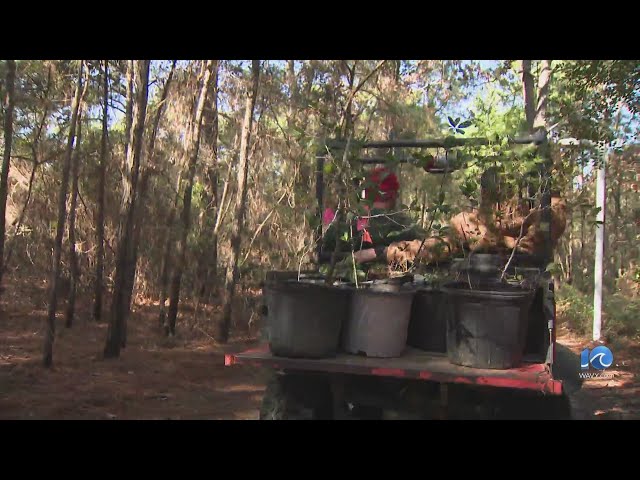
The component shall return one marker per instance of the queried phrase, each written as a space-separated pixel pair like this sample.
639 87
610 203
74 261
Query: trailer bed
414 364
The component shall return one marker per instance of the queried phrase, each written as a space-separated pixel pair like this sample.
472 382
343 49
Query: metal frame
415 364
539 139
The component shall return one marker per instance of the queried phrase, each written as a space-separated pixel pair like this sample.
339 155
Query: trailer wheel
296 397
557 407
536 407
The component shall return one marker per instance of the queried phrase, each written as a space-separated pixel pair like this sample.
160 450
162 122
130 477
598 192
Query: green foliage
621 314
405 99
605 83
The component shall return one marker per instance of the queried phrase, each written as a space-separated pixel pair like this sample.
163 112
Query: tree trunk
102 172
166 257
528 94
617 195
73 256
129 256
208 264
582 215
119 307
50 329
615 174
293 90
544 81
241 198
6 158
569 271
75 169
141 202
192 155
129 111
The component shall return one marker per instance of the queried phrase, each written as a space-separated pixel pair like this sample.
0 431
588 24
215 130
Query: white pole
600 202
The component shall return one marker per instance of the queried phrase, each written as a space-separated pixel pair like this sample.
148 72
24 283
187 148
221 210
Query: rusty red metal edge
534 377
388 372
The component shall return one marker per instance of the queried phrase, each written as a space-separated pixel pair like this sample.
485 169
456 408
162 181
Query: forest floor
185 378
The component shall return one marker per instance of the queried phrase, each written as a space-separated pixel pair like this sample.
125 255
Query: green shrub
621 314
574 308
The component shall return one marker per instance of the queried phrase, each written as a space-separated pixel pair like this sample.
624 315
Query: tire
536 407
365 412
507 404
297 397
558 407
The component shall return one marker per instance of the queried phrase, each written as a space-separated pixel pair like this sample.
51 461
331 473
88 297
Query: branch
373 72
432 220
257 232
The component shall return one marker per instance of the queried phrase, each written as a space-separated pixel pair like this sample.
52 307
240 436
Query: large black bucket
487 325
428 325
304 320
489 265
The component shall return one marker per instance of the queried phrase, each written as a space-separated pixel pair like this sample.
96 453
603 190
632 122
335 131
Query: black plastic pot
304 320
428 324
487 325
488 264
379 320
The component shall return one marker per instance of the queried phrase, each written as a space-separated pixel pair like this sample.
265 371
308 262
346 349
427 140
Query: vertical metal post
600 202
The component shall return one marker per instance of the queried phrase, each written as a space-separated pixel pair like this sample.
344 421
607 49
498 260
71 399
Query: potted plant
304 318
489 303
381 298
429 311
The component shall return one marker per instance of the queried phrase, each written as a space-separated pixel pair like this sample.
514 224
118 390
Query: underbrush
621 313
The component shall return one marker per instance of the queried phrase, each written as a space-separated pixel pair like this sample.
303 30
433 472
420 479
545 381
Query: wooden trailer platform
414 364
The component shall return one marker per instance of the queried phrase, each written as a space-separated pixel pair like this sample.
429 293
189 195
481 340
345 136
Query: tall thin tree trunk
75 170
102 173
615 174
166 257
528 94
6 158
208 265
119 307
129 109
582 215
73 255
617 195
141 201
50 329
569 275
192 154
127 261
293 90
544 80
241 199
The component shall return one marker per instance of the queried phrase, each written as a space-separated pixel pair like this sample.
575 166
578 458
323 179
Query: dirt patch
154 378
185 377
616 398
